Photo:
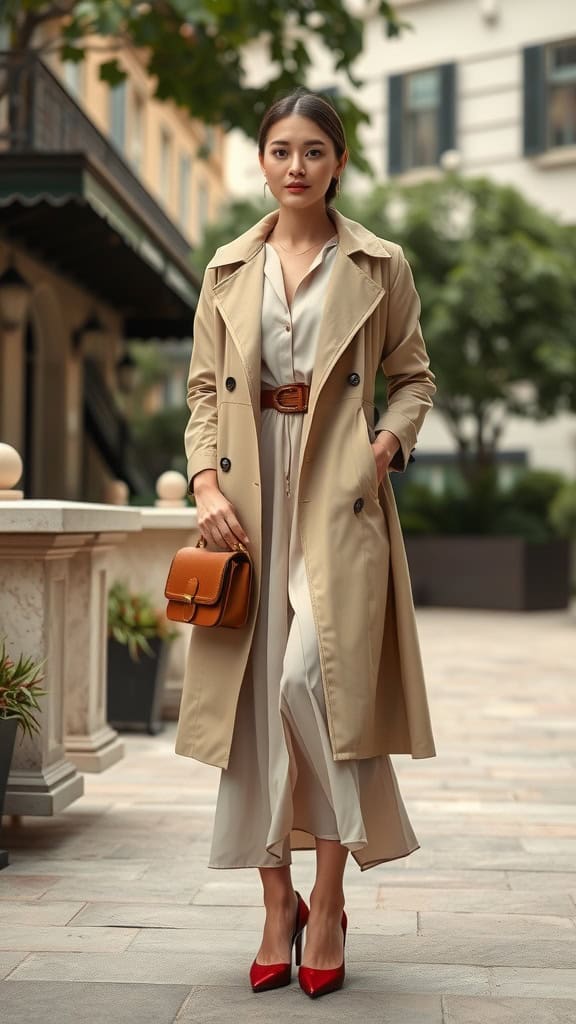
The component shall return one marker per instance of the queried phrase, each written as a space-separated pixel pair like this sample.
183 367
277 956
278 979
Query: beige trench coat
371 664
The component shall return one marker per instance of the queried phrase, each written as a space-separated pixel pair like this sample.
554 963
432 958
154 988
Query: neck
296 228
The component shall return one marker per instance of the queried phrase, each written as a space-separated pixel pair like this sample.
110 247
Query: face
299 153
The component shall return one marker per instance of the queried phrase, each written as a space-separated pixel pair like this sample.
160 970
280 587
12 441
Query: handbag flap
199 575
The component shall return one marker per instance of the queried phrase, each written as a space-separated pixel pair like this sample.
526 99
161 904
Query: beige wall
206 191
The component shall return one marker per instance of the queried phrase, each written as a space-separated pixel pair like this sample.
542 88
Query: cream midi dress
282 786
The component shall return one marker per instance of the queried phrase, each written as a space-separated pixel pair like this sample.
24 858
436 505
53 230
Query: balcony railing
38 115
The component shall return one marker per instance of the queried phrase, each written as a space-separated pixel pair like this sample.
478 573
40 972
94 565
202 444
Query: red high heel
267 976
316 981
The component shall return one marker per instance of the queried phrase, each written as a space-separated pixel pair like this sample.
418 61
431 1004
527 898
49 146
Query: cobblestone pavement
109 912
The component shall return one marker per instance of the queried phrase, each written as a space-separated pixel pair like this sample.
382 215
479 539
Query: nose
297 164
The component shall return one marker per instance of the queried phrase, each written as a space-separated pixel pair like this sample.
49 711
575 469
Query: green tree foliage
197 49
496 279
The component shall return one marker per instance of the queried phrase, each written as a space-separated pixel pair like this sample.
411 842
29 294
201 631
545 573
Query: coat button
358 505
225 464
230 383
354 379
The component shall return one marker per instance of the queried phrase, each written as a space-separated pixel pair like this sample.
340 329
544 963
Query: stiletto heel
266 976
317 982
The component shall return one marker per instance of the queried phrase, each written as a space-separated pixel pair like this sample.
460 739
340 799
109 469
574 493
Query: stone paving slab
465 1010
110 905
212 1006
8 961
38 913
31 1002
20 936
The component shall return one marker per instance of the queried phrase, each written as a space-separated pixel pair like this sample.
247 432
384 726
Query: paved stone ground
109 912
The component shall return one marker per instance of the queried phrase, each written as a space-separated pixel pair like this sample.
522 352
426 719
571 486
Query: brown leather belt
286 398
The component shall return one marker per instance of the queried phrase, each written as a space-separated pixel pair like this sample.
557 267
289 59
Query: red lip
297 188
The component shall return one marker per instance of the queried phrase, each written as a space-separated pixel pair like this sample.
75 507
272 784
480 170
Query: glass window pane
562 115
165 160
421 134
184 190
423 90
562 61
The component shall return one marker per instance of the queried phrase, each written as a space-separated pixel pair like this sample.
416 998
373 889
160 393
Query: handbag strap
239 546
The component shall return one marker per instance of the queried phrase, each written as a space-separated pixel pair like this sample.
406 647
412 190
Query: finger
237 528
228 534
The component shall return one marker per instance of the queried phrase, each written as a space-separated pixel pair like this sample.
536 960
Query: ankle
280 902
327 903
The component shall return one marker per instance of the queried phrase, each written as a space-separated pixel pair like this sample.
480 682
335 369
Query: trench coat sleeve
410 382
201 398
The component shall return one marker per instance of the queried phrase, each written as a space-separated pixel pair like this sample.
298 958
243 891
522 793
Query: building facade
487 87
103 193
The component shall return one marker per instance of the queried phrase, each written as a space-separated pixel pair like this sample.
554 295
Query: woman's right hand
217 520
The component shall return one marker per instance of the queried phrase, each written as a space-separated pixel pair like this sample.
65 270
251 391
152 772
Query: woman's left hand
384 447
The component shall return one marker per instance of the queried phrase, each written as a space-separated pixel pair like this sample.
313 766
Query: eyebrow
310 142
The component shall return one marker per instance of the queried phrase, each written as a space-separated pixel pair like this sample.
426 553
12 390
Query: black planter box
507 573
8 727
135 688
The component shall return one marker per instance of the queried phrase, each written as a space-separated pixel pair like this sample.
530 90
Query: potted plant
19 692
138 636
488 547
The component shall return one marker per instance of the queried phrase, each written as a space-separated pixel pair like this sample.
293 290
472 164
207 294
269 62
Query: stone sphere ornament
10 472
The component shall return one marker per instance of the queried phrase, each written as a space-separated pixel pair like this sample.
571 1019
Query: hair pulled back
317 109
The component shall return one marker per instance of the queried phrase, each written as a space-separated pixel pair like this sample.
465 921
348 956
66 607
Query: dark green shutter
395 114
534 100
447 109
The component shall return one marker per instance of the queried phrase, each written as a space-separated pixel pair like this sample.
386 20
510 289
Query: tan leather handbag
209 588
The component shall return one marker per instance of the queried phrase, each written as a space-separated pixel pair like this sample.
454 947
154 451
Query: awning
70 213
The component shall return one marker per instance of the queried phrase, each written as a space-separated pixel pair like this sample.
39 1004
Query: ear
343 161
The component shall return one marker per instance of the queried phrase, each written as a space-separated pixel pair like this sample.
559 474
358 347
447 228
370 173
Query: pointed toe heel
264 977
317 982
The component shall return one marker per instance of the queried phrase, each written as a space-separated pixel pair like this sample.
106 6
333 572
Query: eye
318 151
278 152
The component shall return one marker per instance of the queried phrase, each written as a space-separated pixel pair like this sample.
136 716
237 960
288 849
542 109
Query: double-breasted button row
230 383
225 464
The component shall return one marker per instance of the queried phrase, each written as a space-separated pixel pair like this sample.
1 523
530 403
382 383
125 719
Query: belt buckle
288 390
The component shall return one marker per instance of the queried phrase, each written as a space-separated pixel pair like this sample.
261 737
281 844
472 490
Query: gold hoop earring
264 190
338 189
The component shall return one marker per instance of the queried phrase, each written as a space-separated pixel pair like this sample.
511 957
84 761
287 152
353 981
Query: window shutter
534 100
447 109
395 114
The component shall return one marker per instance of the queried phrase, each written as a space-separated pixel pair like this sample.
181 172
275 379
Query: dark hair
319 110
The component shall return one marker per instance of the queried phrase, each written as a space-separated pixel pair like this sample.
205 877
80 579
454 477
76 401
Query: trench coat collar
352 237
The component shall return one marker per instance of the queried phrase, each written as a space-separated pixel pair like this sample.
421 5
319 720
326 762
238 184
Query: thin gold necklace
291 253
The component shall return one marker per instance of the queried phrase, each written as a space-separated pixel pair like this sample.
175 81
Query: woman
302 707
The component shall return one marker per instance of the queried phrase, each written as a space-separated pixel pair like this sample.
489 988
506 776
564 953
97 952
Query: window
561 67
165 162
421 104
185 173
136 154
549 96
117 114
73 77
421 117
203 203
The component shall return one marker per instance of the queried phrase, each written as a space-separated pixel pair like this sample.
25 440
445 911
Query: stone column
90 742
34 620
53 590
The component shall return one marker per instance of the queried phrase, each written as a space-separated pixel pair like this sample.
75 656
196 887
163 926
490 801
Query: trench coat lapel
351 297
239 300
